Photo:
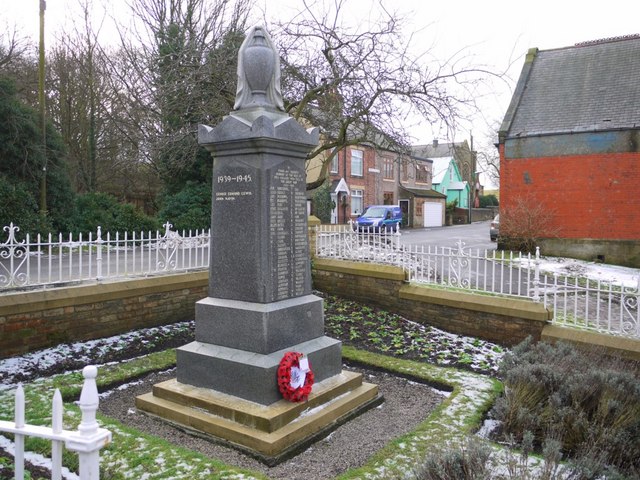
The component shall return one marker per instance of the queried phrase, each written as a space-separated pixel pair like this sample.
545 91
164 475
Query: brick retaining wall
506 321
39 319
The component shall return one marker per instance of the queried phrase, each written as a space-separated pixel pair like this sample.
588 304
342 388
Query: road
474 235
471 269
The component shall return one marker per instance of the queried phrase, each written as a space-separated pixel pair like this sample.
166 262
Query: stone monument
260 303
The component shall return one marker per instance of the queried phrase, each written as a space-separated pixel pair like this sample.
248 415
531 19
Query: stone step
267 418
300 423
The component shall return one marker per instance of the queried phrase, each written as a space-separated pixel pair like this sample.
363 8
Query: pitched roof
457 186
591 86
440 168
423 192
435 151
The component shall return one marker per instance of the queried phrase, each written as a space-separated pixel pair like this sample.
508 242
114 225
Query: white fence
86 441
575 301
42 261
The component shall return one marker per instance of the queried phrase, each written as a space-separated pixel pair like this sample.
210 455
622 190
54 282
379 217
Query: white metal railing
49 260
86 441
575 301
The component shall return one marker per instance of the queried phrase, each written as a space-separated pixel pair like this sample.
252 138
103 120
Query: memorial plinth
260 304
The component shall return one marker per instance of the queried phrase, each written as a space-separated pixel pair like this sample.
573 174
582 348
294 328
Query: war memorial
260 375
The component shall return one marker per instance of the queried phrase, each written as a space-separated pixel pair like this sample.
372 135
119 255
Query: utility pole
472 178
43 114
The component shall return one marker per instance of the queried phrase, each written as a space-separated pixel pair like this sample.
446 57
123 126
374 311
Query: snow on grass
35 459
450 424
78 354
614 274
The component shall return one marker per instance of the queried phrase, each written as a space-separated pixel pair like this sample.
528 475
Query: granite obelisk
260 304
260 299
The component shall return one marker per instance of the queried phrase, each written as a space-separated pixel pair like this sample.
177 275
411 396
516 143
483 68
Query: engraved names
236 182
287 232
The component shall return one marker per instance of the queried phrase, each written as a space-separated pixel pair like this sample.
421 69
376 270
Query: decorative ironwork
14 255
459 264
573 301
55 260
630 301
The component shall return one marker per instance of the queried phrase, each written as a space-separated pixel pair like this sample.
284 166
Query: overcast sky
494 33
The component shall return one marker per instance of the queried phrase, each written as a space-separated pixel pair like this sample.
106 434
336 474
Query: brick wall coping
387 272
313 221
619 346
32 301
512 307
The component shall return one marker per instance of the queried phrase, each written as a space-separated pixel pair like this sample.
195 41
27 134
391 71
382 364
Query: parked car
494 230
379 217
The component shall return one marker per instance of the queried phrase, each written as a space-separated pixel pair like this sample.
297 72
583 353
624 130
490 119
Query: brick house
361 176
353 186
570 143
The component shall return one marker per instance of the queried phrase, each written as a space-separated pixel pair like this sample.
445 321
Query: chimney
435 144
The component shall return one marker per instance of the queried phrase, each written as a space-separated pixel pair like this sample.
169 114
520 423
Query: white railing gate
86 441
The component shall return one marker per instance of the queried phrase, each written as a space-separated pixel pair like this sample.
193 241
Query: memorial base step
270 433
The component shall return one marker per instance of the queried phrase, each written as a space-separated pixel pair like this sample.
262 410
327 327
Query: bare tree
488 154
18 61
359 84
13 47
77 85
178 70
524 221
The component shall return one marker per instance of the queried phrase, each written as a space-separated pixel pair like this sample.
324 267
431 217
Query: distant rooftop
591 86
435 149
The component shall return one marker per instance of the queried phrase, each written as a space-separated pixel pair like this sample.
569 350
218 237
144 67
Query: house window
422 173
388 168
334 163
356 201
357 161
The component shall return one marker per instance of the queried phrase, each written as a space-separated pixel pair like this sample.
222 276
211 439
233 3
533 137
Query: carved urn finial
258 72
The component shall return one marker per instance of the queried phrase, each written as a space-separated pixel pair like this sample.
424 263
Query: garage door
432 214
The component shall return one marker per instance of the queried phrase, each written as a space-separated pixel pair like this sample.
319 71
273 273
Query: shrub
524 222
467 462
322 203
189 209
587 402
488 201
95 210
18 206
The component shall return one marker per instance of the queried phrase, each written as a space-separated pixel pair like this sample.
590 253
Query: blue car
379 218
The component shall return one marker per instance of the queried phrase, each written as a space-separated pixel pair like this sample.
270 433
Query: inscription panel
287 232
234 271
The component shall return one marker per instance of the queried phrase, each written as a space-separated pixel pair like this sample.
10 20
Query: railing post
99 242
90 438
56 428
19 438
536 277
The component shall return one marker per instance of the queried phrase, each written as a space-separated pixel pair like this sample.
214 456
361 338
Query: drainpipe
344 171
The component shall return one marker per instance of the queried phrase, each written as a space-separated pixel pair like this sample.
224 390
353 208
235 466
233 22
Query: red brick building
353 186
362 176
570 146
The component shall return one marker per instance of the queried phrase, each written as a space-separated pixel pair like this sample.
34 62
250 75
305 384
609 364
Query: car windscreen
378 212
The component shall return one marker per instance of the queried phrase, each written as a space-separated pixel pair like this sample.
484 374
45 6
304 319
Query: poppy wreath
300 394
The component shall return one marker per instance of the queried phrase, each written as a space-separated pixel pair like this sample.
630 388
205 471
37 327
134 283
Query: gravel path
406 404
